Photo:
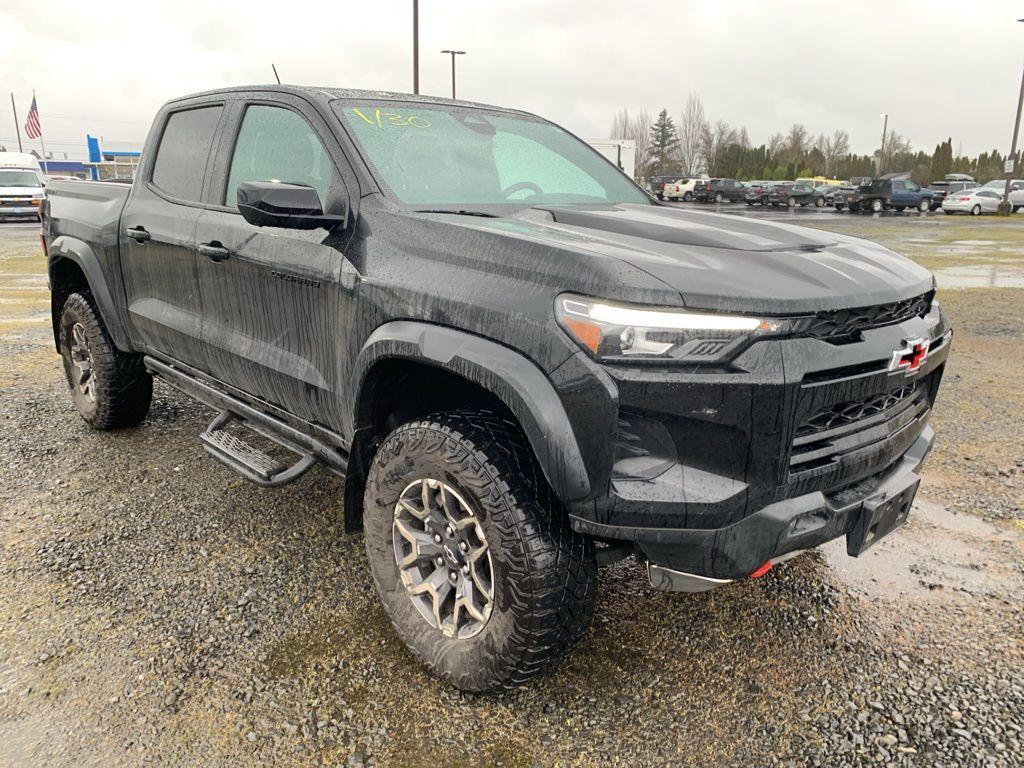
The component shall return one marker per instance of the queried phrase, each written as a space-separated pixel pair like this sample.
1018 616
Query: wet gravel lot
157 610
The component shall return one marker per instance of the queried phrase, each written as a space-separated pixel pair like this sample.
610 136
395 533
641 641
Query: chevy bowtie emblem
909 357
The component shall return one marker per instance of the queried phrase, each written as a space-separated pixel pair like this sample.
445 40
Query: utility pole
17 128
416 46
453 54
881 150
1005 209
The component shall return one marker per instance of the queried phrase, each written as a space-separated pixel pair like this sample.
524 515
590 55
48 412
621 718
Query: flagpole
41 142
17 127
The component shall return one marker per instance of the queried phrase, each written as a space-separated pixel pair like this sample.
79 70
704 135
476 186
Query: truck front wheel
109 388
877 206
479 570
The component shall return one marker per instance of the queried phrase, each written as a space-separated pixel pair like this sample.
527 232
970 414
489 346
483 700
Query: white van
21 185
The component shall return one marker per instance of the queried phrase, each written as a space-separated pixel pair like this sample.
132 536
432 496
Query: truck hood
727 262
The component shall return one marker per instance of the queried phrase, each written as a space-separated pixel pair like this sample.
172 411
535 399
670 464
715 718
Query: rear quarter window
180 164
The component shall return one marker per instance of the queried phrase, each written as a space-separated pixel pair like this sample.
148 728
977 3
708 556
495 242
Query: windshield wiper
484 214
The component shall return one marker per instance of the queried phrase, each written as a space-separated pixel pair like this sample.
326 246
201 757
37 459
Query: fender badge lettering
295 279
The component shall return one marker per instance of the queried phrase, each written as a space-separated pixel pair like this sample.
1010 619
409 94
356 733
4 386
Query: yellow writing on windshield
393 118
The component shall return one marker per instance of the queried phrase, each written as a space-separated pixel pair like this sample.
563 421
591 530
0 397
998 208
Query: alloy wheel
443 558
81 362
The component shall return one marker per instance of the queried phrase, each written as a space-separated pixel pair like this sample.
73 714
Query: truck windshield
434 155
19 179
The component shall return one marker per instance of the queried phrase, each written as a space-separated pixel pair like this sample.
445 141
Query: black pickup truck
523 366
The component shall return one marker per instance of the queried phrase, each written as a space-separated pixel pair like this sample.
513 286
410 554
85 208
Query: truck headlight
620 332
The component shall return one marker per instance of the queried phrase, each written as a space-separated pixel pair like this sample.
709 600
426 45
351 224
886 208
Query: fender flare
512 378
81 254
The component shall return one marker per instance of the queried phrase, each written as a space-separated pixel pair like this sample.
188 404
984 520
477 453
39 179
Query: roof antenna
276 77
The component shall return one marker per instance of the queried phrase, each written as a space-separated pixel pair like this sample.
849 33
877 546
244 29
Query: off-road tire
544 573
877 206
122 389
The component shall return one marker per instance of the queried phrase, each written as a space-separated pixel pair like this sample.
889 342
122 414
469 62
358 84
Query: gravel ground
157 610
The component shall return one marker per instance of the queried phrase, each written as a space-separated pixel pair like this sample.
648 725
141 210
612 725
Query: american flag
33 128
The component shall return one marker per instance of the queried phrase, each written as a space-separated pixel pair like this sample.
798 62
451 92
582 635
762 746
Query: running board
249 462
238 455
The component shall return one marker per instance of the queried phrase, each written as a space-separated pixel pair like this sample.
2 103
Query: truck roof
324 94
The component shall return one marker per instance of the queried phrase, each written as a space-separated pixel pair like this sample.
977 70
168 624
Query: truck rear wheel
109 388
479 570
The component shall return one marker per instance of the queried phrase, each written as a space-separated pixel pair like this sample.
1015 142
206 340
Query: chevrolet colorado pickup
522 364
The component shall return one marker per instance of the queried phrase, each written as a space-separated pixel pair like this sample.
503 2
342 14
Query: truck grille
829 434
840 323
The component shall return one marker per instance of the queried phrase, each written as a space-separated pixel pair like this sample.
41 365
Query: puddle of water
980 276
935 553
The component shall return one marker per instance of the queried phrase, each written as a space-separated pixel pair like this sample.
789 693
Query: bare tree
834 148
797 144
692 124
713 140
637 128
895 146
620 125
775 146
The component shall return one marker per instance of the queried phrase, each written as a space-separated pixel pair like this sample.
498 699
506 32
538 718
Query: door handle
214 251
138 234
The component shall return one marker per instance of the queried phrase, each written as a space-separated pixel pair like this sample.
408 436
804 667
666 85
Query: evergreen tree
664 145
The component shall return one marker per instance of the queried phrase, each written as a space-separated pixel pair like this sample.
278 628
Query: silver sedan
973 201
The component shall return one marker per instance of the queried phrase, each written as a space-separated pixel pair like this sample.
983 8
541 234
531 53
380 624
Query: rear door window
180 164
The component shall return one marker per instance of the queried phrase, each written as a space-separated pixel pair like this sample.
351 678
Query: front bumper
720 555
19 210
717 472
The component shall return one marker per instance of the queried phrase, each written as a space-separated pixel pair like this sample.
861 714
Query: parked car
887 193
516 375
756 192
940 189
973 201
793 194
657 185
719 191
682 189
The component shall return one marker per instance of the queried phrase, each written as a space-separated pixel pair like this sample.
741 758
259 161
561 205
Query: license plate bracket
880 516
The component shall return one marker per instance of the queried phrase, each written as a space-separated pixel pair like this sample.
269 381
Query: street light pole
416 46
881 150
1004 207
453 55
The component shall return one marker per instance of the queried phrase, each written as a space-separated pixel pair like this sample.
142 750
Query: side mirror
277 204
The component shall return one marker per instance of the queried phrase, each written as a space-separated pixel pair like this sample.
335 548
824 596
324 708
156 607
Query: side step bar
249 462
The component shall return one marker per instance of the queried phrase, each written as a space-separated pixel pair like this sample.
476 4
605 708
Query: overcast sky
939 68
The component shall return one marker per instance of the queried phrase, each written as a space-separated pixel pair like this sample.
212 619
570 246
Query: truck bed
86 210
